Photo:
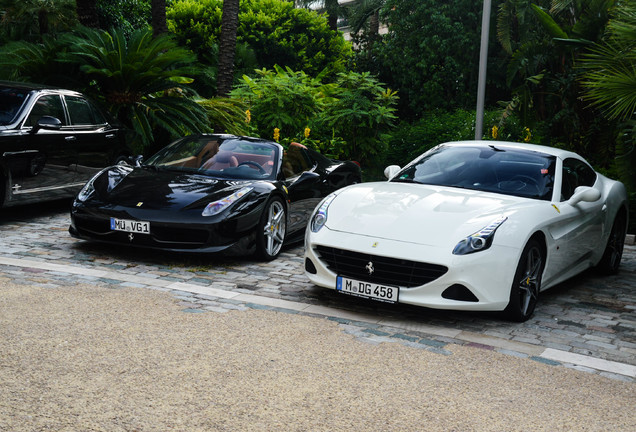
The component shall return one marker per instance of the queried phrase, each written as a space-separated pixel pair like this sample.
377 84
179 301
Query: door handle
70 138
110 136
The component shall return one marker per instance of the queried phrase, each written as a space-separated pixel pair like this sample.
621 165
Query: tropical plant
610 66
127 15
283 99
273 30
227 115
38 63
362 111
30 20
609 82
546 40
143 80
430 54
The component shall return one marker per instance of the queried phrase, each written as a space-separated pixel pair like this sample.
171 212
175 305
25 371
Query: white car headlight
319 217
217 207
479 241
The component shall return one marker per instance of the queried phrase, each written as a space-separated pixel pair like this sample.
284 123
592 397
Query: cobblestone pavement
587 323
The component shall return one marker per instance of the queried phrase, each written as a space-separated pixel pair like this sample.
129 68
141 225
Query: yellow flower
495 132
248 116
528 135
276 134
307 132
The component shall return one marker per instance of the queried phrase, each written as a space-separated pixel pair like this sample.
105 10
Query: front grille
386 271
179 234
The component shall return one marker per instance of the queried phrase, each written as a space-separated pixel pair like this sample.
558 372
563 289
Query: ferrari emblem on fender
370 268
374 245
140 203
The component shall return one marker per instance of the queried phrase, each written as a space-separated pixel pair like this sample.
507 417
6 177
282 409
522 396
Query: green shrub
274 30
343 119
282 99
409 140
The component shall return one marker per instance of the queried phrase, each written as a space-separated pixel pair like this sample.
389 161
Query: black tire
526 285
613 253
271 231
122 160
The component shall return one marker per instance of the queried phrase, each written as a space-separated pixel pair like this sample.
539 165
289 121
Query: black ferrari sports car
210 193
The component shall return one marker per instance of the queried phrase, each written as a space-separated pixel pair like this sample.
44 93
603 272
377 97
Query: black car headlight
319 218
88 190
218 206
107 180
479 241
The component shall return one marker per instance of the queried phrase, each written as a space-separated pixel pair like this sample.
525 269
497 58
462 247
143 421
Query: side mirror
391 171
47 122
584 193
138 160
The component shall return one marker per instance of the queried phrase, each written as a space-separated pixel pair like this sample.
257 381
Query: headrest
223 157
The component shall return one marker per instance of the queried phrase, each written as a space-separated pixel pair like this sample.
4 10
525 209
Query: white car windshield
491 169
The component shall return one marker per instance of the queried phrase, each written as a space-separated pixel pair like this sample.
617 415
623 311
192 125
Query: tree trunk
227 47
87 13
331 7
158 11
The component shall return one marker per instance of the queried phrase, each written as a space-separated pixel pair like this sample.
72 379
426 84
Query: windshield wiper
403 180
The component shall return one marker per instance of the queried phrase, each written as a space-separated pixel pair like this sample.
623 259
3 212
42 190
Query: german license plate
131 226
384 293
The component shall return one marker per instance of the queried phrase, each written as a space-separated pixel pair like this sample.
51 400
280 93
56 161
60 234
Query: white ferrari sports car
473 225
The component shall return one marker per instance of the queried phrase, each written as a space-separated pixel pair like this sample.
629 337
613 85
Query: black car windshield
11 100
506 171
218 156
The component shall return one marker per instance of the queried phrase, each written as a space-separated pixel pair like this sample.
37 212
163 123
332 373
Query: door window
47 105
82 112
295 161
575 173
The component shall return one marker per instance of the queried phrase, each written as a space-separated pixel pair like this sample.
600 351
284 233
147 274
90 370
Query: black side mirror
48 123
138 160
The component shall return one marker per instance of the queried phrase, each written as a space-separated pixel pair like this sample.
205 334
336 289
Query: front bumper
187 232
488 275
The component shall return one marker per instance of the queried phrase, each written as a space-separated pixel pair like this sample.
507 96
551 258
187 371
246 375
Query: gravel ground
87 358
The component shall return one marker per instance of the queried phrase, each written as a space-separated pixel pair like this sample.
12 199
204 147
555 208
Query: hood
416 213
161 189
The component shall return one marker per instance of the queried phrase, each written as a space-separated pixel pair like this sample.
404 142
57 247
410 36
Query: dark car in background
210 193
51 142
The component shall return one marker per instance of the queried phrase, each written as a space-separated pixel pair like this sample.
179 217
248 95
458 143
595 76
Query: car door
40 155
95 140
301 184
580 225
